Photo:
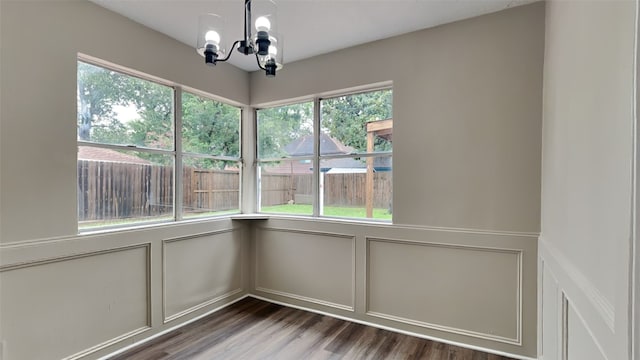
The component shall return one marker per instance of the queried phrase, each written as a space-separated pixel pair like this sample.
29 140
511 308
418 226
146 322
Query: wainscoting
577 320
53 301
462 286
310 266
94 294
87 296
489 278
213 264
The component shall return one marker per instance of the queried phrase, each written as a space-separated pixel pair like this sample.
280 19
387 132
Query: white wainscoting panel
551 315
467 290
200 270
580 342
55 308
306 265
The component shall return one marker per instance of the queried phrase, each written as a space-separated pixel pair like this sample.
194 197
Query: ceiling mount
266 44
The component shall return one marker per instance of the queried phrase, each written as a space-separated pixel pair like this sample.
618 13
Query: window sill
326 219
250 217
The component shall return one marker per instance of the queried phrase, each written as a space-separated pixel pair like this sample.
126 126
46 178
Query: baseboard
346 318
145 340
400 331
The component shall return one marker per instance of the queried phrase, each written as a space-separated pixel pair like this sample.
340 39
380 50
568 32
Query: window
349 175
140 160
211 153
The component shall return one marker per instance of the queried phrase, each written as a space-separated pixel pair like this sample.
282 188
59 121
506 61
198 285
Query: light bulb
212 37
263 24
273 51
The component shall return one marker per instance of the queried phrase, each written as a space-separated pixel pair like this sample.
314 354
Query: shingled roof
328 146
109 155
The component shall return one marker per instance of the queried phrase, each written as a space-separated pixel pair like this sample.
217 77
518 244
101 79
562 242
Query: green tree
210 127
279 126
99 90
154 104
344 118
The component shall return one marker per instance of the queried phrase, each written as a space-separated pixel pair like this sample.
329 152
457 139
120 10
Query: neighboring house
303 146
99 154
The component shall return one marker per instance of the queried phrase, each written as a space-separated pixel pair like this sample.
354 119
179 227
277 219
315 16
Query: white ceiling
309 27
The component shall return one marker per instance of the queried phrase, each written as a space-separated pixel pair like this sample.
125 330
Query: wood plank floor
256 329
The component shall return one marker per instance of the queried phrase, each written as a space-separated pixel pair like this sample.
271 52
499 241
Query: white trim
315 181
51 260
308 232
198 235
305 298
167 318
517 340
178 168
540 303
345 318
188 311
148 303
566 335
176 153
126 148
260 217
634 277
444 328
599 303
317 157
386 224
137 343
351 307
92 60
91 350
564 326
384 85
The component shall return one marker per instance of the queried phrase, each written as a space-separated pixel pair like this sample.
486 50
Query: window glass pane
356 187
286 187
209 127
210 187
123 187
115 108
356 123
285 131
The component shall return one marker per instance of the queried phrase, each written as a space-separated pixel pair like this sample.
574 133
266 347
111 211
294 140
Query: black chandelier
266 43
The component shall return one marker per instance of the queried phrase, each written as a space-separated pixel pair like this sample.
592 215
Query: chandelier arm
258 61
230 52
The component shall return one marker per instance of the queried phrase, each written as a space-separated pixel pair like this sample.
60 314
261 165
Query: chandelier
260 37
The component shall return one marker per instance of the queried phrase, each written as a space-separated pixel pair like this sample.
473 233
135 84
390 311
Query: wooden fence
339 189
211 190
112 190
349 189
277 189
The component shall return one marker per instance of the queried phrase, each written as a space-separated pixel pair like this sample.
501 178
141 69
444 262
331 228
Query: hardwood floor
256 329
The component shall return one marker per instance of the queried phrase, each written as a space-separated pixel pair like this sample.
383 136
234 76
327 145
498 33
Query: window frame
317 157
177 153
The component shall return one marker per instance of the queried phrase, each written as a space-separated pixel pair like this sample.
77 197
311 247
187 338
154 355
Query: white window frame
316 158
177 154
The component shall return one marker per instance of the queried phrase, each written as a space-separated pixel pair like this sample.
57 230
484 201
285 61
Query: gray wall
64 294
40 44
467 109
459 263
587 179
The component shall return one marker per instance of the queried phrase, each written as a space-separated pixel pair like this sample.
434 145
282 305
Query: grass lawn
307 209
